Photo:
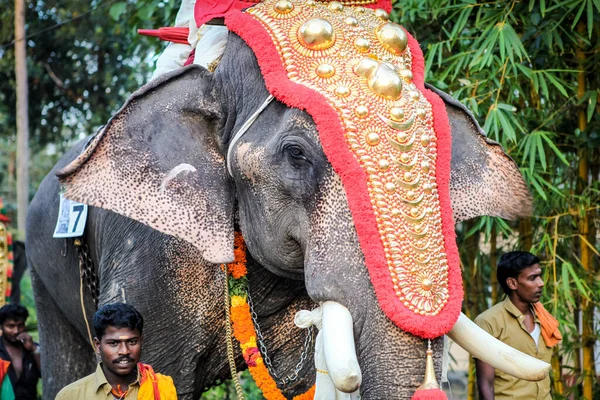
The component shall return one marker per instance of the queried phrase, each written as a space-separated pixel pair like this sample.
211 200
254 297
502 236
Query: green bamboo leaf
590 17
502 45
526 144
117 9
597 4
566 286
507 107
524 69
551 187
556 83
543 7
538 188
540 150
543 86
553 147
490 121
507 128
578 15
576 279
593 98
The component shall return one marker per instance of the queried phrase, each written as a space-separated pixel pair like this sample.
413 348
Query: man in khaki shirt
119 375
514 322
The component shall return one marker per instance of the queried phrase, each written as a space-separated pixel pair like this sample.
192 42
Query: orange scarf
549 324
3 369
155 386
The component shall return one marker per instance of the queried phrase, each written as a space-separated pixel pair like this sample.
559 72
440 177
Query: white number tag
71 218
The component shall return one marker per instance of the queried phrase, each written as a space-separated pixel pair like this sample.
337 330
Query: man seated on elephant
521 322
19 355
120 375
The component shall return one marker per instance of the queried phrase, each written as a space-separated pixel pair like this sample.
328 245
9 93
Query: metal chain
230 356
285 381
88 272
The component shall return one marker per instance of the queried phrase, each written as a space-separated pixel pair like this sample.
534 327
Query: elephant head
163 160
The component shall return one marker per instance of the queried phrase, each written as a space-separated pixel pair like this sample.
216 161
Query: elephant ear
484 180
158 161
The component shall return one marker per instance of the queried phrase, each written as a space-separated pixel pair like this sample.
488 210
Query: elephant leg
59 367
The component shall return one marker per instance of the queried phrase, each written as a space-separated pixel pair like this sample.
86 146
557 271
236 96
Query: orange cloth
155 386
550 331
3 369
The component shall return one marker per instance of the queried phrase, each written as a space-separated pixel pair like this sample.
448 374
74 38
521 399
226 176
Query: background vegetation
529 70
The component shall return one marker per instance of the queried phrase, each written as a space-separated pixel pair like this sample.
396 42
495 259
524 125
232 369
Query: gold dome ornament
381 14
393 38
372 139
336 6
342 91
325 70
385 82
362 45
316 34
284 6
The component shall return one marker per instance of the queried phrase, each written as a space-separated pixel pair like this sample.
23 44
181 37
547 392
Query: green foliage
530 71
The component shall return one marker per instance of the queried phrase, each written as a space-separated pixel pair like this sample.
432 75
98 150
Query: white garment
535 334
208 40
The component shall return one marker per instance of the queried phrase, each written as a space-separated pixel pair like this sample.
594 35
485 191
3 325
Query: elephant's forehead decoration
361 79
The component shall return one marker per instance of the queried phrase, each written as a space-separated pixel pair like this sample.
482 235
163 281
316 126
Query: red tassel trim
173 34
429 394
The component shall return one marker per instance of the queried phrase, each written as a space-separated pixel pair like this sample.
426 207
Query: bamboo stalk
587 331
557 377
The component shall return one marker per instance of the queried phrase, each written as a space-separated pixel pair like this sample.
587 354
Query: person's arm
485 380
31 346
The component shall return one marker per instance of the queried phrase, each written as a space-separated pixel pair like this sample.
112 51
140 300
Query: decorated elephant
335 163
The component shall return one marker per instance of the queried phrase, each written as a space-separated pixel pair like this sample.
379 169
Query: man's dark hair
13 311
511 264
119 315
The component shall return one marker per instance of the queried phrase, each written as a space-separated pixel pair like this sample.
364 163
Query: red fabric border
354 177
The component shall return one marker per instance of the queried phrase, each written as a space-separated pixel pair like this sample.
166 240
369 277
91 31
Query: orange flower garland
243 328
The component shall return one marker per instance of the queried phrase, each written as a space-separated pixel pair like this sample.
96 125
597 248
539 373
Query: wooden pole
22 116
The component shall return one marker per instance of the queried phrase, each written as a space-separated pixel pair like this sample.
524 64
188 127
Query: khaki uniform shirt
95 387
506 323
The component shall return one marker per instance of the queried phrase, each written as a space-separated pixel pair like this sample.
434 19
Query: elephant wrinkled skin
161 161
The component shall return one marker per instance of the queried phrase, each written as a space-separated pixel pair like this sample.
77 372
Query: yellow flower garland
243 328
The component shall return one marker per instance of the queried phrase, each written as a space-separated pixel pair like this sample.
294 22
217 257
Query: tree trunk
22 116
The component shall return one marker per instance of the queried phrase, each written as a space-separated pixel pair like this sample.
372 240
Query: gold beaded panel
361 63
4 263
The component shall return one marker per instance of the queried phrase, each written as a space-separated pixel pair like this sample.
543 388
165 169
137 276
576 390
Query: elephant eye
296 153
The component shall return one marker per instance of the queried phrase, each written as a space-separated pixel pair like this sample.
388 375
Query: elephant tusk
338 347
492 351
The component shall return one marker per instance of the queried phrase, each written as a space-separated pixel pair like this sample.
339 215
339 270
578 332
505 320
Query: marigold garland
243 328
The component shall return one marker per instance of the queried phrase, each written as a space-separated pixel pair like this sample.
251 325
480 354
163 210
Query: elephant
19 268
161 162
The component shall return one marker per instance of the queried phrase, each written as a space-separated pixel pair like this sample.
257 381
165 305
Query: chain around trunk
230 356
285 381
88 272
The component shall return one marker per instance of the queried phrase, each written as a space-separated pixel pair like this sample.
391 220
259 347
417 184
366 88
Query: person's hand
27 341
